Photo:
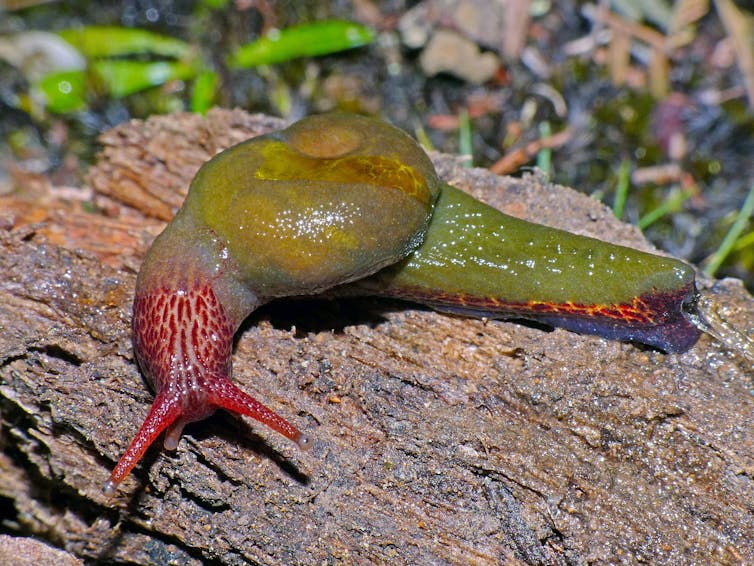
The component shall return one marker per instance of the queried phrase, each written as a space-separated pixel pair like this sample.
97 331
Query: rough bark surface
436 439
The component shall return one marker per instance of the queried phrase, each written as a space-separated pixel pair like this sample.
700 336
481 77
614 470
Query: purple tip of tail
667 326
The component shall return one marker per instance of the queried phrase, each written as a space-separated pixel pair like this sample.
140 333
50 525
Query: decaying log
437 439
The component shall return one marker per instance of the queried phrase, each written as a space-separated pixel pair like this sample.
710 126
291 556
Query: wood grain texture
437 439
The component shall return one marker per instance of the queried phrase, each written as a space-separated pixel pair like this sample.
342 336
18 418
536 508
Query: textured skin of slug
478 261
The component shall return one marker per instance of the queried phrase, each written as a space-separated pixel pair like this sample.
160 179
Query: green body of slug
331 201
475 250
476 260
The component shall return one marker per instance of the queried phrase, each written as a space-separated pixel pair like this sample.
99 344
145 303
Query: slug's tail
476 260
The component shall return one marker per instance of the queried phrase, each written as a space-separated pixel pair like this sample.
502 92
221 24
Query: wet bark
436 438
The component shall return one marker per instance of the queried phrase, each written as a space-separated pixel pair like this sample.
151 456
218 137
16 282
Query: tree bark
437 439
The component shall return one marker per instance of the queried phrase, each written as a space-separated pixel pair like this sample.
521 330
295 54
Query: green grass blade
306 40
621 191
64 91
744 241
717 258
204 91
122 78
668 206
101 41
464 139
421 136
544 155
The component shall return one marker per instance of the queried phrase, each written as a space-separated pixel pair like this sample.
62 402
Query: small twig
739 29
511 161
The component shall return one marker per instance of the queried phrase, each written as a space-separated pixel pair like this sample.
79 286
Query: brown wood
436 439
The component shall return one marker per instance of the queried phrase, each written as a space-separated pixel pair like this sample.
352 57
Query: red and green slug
352 205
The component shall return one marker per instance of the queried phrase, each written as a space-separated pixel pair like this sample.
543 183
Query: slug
351 205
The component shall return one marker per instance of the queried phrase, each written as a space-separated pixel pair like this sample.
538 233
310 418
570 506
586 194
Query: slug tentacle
183 341
163 412
223 393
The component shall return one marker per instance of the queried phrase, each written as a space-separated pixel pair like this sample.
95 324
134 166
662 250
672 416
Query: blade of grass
306 40
127 77
464 139
64 91
714 261
668 206
204 91
621 191
544 155
421 136
102 41
744 241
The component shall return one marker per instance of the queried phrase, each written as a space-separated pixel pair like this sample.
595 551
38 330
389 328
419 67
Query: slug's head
328 200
